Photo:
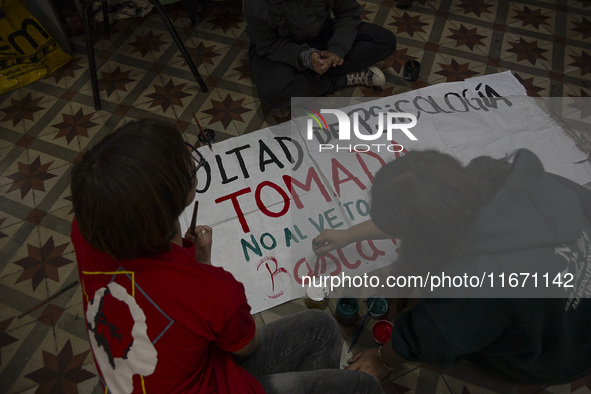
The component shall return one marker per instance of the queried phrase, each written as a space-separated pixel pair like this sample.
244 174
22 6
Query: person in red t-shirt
160 317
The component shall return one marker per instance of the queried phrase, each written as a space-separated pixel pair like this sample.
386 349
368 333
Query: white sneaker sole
378 78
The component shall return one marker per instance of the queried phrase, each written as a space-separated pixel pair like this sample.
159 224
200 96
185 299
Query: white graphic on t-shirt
120 353
578 263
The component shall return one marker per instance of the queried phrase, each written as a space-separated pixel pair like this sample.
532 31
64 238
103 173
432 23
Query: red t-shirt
165 324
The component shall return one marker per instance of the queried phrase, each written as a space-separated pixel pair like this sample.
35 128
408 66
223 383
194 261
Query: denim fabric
300 354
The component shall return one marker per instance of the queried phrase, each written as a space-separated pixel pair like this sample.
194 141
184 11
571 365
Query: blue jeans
300 354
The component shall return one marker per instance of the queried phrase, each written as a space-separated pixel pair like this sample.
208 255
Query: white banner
267 194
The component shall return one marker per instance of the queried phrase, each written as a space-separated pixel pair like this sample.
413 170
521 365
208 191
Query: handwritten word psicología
484 98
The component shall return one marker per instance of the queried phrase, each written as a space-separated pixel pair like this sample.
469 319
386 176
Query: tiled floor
46 125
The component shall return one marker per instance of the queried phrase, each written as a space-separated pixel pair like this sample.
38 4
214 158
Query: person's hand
319 64
369 361
331 58
202 240
329 240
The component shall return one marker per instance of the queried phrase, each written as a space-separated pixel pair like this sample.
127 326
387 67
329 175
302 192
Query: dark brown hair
427 199
129 189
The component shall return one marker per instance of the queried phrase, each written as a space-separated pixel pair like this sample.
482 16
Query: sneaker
372 76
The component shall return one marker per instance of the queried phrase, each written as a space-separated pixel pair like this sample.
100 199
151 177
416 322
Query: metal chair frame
87 17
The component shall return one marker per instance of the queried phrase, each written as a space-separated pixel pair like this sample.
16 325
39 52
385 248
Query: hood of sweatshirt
532 210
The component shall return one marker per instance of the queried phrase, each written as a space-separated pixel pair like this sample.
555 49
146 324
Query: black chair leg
87 17
192 10
179 44
105 7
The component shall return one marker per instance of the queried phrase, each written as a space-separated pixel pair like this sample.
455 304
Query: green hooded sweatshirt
537 222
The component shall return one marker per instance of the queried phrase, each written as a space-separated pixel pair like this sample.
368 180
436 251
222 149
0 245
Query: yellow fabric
27 51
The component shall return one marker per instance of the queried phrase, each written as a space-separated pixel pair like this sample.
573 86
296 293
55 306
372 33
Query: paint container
347 310
209 133
411 70
317 297
377 306
382 331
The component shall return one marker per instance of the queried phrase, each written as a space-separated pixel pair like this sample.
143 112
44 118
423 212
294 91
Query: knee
323 321
392 42
362 382
389 41
272 80
274 97
383 39
273 93
320 326
373 385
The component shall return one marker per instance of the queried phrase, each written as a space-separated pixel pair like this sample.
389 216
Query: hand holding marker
194 220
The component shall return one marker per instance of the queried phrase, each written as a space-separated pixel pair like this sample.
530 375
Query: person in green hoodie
492 215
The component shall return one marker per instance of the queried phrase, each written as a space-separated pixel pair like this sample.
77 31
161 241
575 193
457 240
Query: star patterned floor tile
576 91
7 236
481 9
528 52
162 98
455 69
84 94
227 22
16 282
204 54
147 45
61 203
579 27
369 11
117 81
535 86
13 156
580 60
45 125
61 372
27 177
70 72
53 188
410 25
227 109
535 19
466 37
43 263
12 337
240 71
17 110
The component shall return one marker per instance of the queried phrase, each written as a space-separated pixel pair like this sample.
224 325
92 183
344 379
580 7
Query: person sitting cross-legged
308 48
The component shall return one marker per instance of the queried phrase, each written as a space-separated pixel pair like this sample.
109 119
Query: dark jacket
279 29
536 221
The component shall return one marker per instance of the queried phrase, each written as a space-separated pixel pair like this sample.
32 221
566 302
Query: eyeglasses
197 158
